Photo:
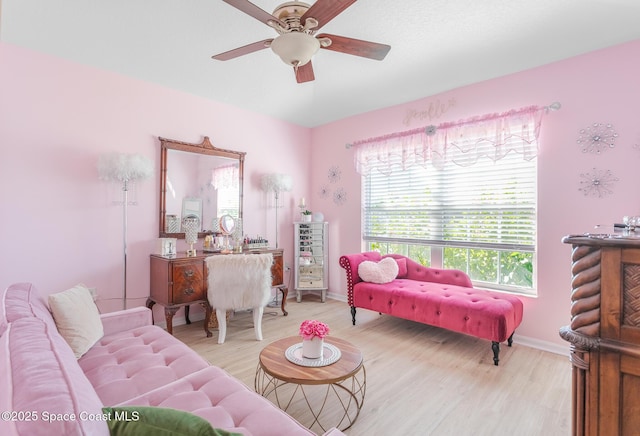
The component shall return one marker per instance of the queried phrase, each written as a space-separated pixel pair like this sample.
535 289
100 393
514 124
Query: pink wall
598 87
58 226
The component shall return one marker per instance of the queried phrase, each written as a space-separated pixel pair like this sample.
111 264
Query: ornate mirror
198 179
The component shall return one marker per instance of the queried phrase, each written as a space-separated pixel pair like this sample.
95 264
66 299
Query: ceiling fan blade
237 52
356 47
325 11
304 73
254 11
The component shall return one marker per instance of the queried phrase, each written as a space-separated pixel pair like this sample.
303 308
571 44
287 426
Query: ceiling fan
297 42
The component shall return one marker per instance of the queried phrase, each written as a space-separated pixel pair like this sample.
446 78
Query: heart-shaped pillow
384 271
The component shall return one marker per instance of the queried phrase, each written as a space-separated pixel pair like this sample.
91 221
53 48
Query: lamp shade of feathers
124 167
276 182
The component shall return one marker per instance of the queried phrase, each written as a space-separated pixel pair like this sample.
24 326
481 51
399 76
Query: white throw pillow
77 318
384 271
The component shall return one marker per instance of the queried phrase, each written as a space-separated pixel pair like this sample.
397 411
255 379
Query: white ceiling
436 45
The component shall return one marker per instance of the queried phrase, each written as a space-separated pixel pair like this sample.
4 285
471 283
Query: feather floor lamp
125 169
276 183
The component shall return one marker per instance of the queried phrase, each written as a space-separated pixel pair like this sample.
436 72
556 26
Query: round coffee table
331 393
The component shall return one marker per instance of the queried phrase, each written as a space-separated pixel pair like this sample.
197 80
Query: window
480 218
224 180
228 201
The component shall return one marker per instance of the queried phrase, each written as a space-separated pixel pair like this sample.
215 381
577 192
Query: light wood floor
421 380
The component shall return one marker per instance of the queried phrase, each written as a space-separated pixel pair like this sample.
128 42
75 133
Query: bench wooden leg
353 314
495 346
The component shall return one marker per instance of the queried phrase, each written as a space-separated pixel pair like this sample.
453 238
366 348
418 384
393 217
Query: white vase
306 218
312 348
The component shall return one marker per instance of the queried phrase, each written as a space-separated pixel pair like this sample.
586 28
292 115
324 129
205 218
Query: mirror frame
205 147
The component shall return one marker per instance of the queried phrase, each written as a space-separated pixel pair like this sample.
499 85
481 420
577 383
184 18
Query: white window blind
228 202
488 204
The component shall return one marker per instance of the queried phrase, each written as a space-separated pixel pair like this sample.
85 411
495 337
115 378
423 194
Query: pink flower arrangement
312 328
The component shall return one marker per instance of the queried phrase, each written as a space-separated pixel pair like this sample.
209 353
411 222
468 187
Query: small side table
291 385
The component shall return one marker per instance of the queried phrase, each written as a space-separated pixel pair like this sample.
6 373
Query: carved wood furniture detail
181 280
605 335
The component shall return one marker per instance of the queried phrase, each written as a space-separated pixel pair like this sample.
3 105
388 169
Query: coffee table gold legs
325 405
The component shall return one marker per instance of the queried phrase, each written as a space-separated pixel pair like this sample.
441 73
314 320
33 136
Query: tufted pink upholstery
438 297
21 300
217 397
127 364
135 363
39 377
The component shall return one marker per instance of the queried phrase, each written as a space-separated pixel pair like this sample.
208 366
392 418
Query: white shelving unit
311 271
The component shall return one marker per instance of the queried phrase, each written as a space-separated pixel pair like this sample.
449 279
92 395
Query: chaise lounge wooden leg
353 314
495 346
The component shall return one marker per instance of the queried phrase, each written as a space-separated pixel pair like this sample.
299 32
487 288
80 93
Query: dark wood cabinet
179 281
605 335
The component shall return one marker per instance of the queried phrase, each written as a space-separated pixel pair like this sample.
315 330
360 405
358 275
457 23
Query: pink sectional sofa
44 389
439 297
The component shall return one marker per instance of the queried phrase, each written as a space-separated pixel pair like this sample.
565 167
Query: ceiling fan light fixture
295 48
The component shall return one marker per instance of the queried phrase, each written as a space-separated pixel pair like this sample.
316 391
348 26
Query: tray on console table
179 281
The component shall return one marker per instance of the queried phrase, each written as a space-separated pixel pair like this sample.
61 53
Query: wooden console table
605 334
179 281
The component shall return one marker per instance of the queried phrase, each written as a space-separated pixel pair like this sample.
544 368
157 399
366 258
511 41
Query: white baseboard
339 297
538 344
180 320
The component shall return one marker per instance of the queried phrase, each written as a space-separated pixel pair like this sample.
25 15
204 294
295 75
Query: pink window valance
463 142
225 177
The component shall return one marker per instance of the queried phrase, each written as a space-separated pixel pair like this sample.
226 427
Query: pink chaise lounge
439 297
46 390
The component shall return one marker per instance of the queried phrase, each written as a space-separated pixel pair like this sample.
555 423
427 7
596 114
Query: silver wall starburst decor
597 138
324 191
597 183
339 196
334 174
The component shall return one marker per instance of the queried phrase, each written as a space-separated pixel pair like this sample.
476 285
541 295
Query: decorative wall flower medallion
597 183
334 174
339 196
324 191
597 138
